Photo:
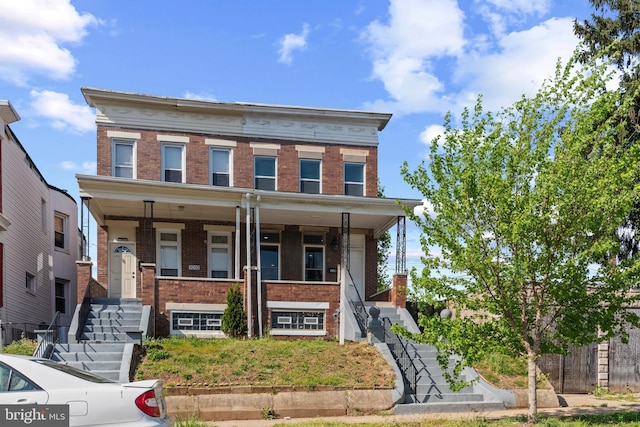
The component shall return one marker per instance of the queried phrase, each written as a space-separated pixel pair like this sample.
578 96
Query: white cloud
421 55
292 42
85 167
32 35
62 112
430 133
199 96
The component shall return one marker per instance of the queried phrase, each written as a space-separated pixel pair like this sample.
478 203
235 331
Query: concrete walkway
571 404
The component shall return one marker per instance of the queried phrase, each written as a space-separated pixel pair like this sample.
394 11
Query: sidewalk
572 404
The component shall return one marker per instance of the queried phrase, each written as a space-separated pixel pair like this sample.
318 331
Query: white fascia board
298 305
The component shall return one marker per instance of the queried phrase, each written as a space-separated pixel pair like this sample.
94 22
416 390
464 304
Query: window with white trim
173 163
220 167
196 321
123 158
168 261
60 230
313 244
62 292
219 255
270 255
310 176
309 320
264 172
354 179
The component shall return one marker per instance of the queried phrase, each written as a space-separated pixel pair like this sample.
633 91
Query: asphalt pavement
571 404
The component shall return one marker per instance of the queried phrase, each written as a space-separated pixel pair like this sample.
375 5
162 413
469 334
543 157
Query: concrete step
120 322
88 348
113 315
104 337
87 357
426 388
96 366
447 407
444 398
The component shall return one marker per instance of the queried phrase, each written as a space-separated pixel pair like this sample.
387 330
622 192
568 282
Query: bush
234 318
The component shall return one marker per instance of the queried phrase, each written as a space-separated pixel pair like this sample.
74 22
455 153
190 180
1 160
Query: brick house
192 197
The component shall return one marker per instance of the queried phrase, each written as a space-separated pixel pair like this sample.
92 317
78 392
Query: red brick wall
149 161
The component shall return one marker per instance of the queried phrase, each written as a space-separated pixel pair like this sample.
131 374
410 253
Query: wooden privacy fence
611 364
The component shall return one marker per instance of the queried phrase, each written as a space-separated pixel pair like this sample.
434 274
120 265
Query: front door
356 267
122 270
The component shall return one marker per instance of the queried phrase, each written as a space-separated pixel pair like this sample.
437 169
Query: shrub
234 318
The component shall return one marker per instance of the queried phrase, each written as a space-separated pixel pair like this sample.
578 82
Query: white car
92 400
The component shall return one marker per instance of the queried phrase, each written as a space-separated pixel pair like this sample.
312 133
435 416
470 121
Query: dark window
354 179
305 320
269 262
310 176
265 173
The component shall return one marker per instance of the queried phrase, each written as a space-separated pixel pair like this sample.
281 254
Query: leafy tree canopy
526 208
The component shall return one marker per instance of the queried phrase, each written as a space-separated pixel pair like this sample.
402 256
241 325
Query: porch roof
120 197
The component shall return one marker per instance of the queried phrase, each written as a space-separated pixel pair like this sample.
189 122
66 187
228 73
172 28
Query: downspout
259 270
249 271
237 249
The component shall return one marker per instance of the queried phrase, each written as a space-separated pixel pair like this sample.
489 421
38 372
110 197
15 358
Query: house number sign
194 266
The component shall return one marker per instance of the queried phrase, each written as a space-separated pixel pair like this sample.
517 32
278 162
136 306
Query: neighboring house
188 193
38 242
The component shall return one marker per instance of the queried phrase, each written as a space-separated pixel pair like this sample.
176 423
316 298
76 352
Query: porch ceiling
117 197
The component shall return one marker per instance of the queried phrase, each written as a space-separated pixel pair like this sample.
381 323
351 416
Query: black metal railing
47 339
358 307
398 348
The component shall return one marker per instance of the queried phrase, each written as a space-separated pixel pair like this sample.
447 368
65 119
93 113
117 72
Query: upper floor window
60 230
62 291
173 163
354 179
220 255
220 167
123 159
264 173
310 176
30 283
169 252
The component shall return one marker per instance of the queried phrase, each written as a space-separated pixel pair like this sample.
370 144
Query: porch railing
398 348
47 339
359 310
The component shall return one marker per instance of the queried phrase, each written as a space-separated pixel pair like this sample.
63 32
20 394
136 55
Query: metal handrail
398 349
47 339
359 309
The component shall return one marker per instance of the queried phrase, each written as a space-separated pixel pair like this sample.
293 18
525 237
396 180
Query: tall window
264 173
173 163
310 176
354 179
220 255
220 167
270 255
313 257
123 160
30 283
61 295
169 252
60 231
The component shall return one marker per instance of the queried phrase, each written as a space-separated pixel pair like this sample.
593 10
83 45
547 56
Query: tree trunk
532 416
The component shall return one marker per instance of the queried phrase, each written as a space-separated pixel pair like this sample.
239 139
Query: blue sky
417 59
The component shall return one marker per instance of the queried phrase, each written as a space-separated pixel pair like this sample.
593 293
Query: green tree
613 33
384 246
234 318
526 204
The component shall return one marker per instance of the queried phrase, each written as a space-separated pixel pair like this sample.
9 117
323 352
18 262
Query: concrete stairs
106 343
432 392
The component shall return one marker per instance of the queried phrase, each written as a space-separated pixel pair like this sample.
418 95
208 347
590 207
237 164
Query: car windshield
88 376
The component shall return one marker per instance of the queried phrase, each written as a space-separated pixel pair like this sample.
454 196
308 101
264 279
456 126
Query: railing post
376 327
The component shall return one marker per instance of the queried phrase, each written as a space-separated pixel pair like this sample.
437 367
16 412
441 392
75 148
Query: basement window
196 322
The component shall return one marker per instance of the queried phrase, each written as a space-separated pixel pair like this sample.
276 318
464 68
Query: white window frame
319 180
227 246
114 166
275 172
364 177
65 235
299 307
229 164
199 332
177 244
305 246
183 167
